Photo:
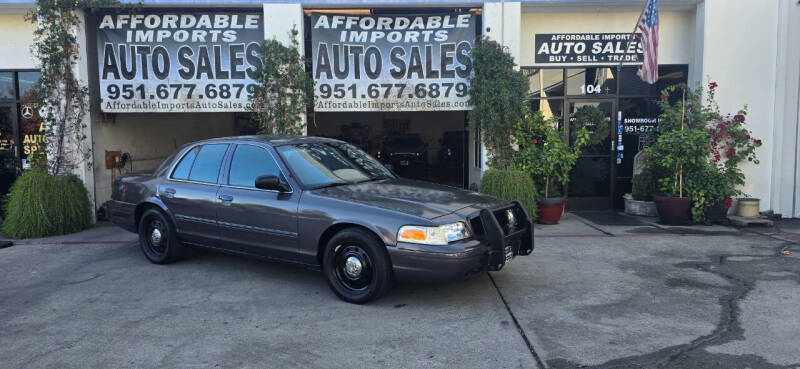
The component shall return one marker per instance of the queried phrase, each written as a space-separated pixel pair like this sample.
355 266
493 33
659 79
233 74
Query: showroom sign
170 61
392 63
587 48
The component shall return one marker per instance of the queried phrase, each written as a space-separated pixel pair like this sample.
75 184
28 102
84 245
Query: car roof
272 140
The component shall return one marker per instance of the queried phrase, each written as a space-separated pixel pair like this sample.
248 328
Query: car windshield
326 164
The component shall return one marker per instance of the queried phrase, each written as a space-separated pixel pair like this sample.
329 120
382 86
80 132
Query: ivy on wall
61 96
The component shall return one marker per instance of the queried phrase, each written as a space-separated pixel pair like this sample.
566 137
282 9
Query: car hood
423 199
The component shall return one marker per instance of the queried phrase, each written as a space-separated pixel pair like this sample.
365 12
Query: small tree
284 89
545 152
498 94
682 150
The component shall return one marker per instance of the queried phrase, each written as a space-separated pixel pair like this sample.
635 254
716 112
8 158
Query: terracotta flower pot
550 210
673 210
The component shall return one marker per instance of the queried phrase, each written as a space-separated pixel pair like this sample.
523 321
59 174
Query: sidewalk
101 233
605 223
572 224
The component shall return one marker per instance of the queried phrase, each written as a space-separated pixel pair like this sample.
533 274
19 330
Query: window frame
228 164
15 102
174 165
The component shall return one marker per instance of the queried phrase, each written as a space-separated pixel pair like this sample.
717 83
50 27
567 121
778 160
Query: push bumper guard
508 231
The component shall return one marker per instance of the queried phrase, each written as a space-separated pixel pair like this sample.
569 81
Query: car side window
182 169
206 165
250 162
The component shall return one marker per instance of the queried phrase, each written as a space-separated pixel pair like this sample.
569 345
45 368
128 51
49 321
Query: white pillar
81 70
502 22
787 109
279 19
742 59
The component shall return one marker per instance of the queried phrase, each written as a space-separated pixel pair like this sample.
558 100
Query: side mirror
271 182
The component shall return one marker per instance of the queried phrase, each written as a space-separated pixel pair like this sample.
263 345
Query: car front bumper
425 263
493 245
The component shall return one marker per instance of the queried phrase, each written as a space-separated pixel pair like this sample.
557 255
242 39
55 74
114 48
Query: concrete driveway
589 296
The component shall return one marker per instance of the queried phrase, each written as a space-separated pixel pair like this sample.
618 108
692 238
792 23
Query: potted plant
680 153
640 200
544 152
731 145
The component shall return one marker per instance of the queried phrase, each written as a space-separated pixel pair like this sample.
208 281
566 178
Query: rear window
201 163
182 170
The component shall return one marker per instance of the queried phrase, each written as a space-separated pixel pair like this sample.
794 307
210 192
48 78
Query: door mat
607 218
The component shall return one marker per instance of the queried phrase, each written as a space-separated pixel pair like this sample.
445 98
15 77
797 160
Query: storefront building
392 77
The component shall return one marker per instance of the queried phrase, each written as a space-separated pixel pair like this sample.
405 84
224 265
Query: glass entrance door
8 148
591 182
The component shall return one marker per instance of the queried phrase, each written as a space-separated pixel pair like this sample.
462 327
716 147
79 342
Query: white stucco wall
739 53
279 20
17 36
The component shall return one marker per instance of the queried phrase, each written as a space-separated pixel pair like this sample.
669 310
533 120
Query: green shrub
42 205
511 185
644 185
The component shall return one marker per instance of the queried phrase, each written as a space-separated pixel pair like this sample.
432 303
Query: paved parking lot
589 296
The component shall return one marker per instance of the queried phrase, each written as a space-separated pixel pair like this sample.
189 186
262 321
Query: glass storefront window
639 125
27 85
550 108
7 90
546 82
668 75
32 131
591 81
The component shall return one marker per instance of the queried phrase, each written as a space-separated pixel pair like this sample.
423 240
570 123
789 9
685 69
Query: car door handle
226 199
169 192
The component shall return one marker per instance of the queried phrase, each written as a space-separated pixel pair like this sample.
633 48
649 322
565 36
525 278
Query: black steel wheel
157 238
357 266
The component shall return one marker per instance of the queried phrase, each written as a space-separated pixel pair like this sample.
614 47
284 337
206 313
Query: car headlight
441 235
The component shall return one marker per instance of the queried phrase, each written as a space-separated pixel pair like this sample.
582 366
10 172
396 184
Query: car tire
356 266
158 239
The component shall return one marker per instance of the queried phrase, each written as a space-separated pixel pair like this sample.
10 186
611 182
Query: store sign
587 48
170 61
392 63
640 126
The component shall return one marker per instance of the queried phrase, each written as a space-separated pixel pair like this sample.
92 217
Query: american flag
648 26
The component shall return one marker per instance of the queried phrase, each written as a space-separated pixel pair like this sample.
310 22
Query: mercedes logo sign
27 112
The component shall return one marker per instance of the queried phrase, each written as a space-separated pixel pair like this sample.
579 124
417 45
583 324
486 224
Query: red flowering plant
700 150
731 145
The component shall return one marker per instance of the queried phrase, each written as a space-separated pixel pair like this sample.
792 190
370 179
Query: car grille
507 231
501 215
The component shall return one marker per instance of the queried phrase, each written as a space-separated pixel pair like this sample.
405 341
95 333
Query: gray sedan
321 203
